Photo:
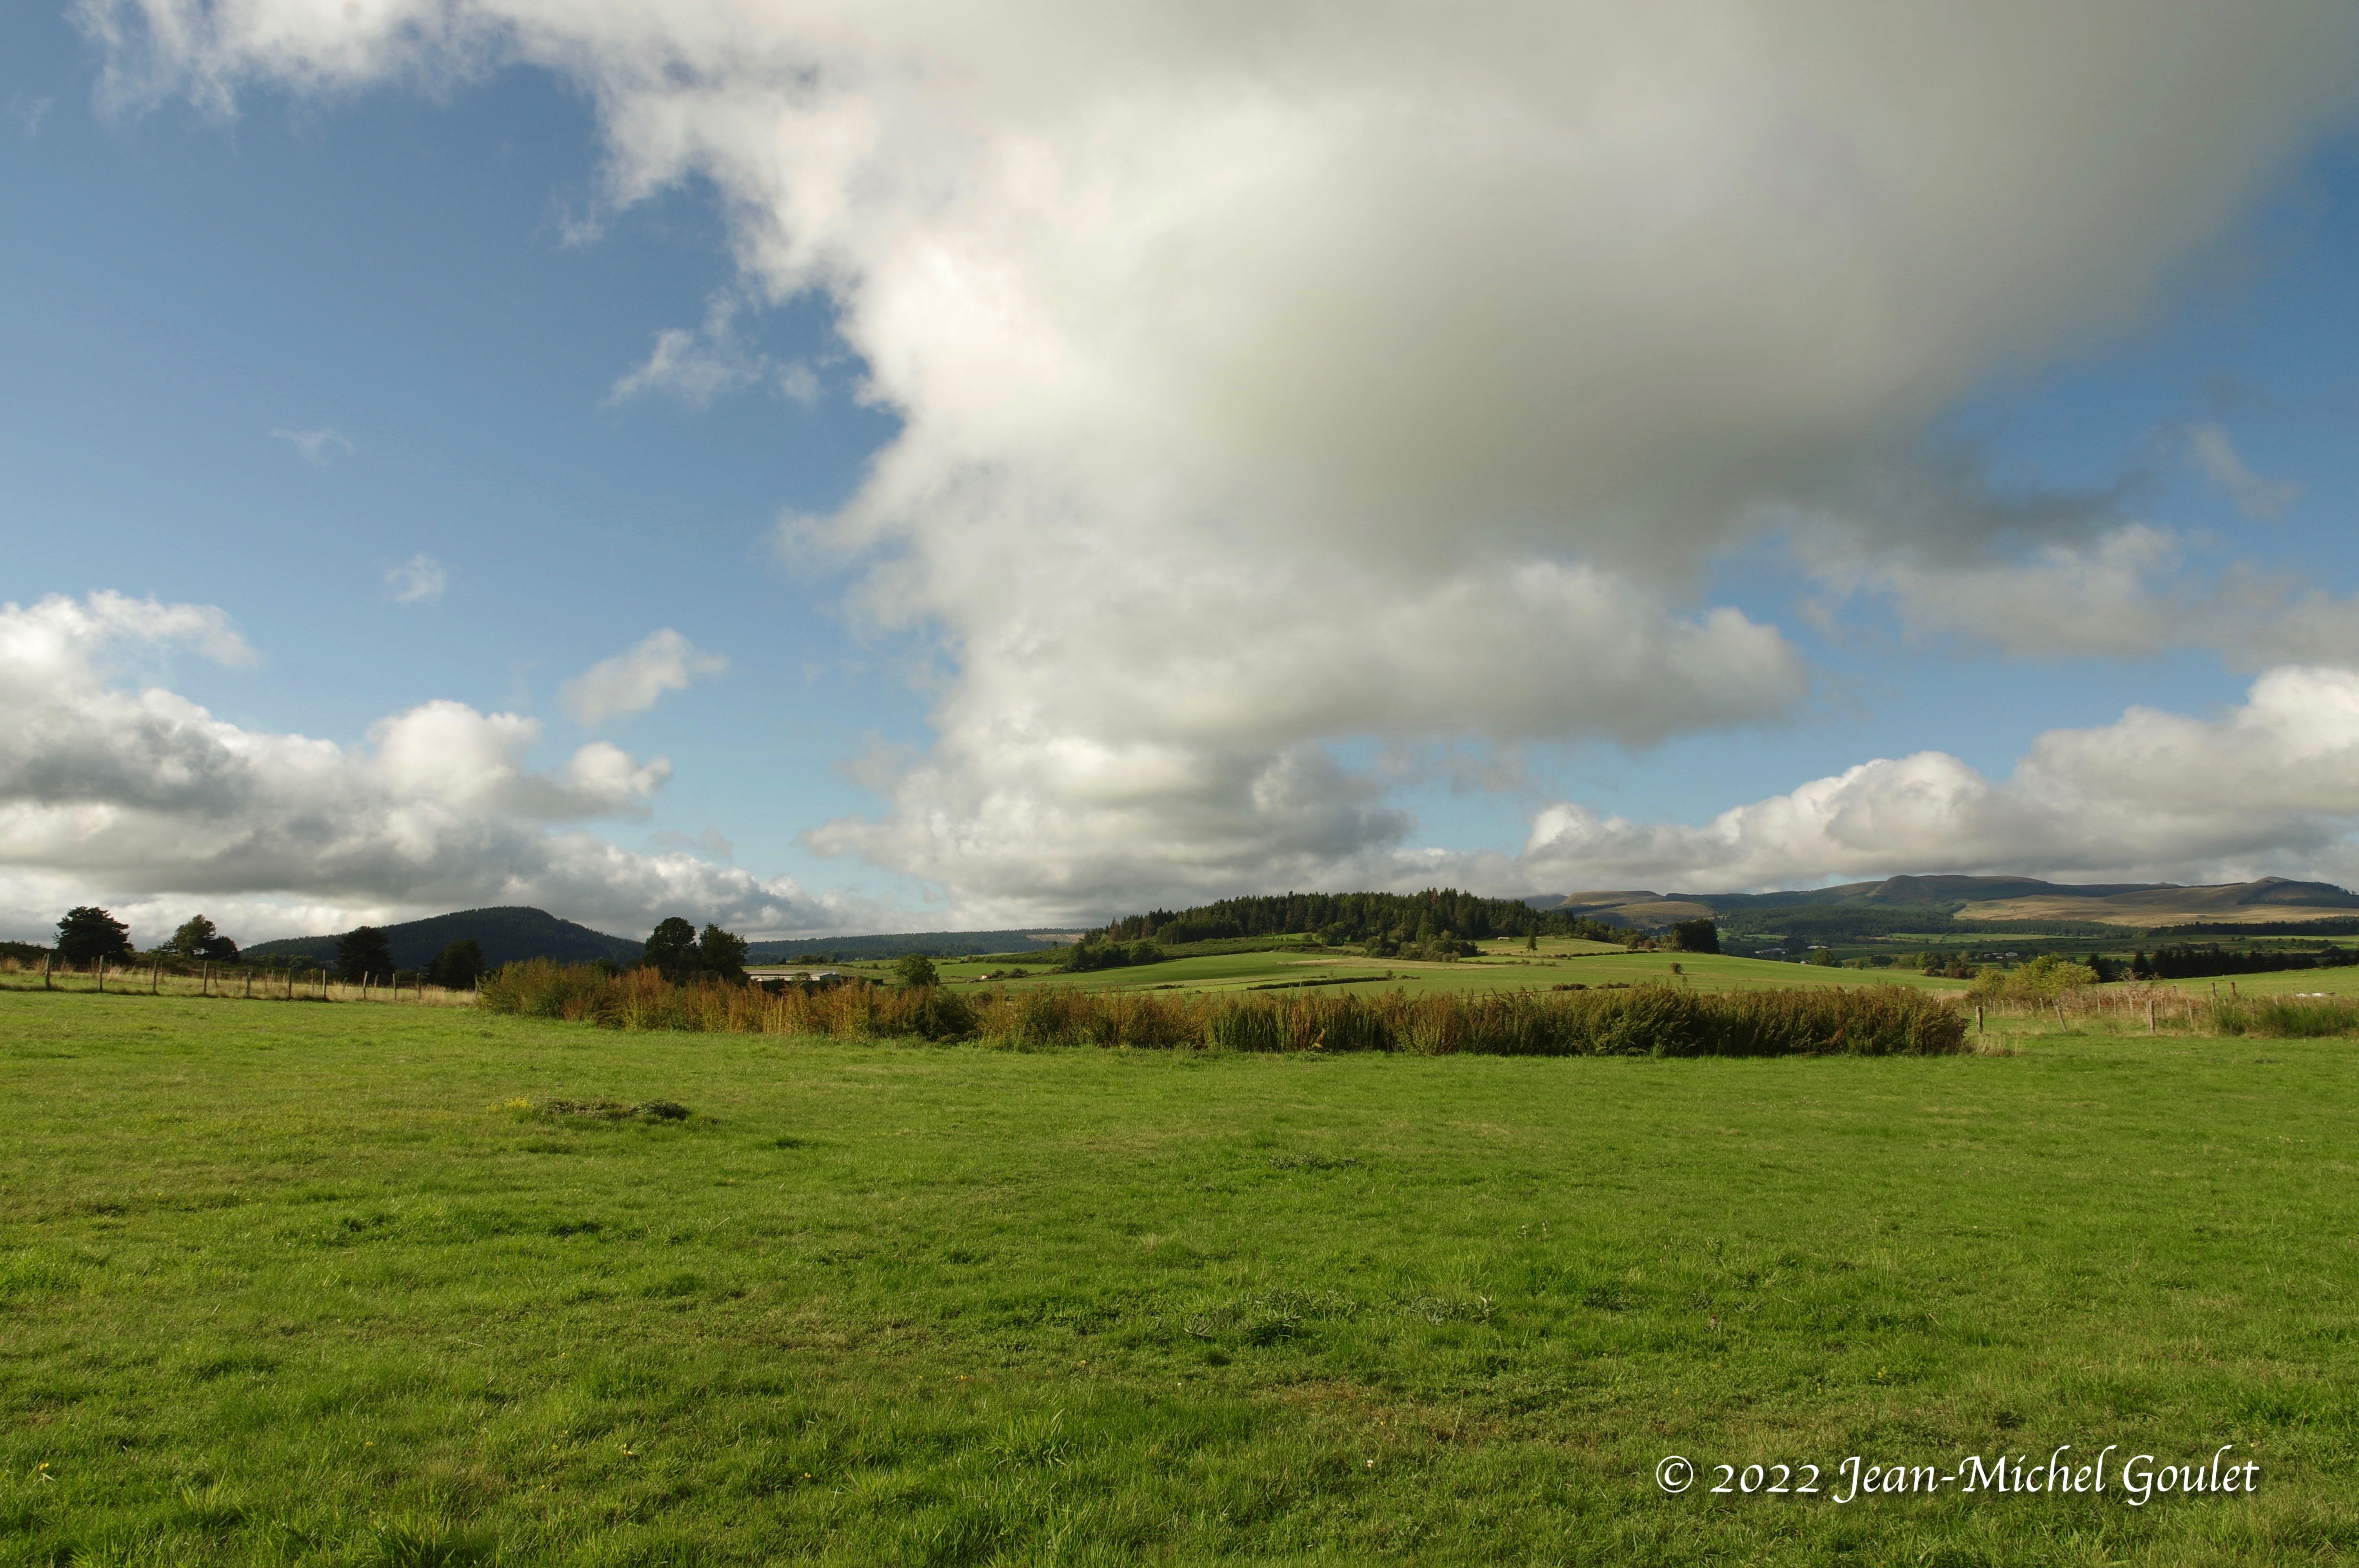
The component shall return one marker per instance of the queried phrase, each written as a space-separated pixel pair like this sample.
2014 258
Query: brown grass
1663 1020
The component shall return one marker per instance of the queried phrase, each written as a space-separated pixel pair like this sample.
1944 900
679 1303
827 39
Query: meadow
304 1283
1503 966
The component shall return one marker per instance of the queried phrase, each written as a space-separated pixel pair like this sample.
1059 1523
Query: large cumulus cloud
2271 785
121 791
1273 376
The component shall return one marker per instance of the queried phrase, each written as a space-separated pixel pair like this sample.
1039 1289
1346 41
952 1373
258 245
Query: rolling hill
1895 902
506 935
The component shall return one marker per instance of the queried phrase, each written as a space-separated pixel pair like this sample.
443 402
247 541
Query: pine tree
362 951
88 934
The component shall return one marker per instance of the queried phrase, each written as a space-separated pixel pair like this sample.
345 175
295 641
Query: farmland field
1502 966
304 1283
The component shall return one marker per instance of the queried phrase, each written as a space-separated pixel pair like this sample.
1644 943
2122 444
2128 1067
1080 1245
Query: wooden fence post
1978 1018
44 970
249 982
101 967
2150 1026
205 981
155 974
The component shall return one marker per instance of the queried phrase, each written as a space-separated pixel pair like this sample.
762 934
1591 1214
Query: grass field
306 1283
1503 966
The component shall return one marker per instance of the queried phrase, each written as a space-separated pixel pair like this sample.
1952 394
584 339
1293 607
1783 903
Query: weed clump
1606 1021
610 1109
2287 1018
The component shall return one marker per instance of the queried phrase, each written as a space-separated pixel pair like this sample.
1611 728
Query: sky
826 468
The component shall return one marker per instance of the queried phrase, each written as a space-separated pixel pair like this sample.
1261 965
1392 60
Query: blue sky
271 329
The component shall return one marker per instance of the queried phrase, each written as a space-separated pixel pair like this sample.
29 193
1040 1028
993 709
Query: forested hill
1338 917
506 935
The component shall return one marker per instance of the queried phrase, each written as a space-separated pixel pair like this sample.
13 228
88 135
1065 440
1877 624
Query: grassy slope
288 1283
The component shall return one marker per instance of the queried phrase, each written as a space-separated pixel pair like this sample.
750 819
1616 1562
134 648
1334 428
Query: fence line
288 982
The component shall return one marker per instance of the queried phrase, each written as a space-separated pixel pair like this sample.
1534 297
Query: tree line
2201 963
88 934
1355 918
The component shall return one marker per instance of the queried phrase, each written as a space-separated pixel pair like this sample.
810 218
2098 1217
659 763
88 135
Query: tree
671 947
721 952
1695 936
87 935
457 967
915 970
1824 957
199 938
362 951
1531 941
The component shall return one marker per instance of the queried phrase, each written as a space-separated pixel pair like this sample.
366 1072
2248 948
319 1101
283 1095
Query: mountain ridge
2009 898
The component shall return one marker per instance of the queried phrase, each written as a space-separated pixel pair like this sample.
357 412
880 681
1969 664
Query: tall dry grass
1661 1020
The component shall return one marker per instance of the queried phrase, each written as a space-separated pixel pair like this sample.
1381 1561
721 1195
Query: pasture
329 1283
1502 966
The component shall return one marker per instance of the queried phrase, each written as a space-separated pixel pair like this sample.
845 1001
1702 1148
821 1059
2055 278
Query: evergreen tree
87 935
362 951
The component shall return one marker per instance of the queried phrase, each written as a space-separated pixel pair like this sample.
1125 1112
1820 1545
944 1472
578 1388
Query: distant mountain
1912 903
506 935
514 933
934 943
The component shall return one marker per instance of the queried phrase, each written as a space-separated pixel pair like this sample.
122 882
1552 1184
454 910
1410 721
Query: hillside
506 935
2269 899
1933 902
933 944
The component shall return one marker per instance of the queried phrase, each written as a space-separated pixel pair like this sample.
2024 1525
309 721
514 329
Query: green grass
300 1284
1503 966
2338 981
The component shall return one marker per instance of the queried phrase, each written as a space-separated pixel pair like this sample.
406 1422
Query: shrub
2041 981
2296 1018
1659 1020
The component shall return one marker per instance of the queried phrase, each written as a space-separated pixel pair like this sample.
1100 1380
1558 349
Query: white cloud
2127 592
798 381
420 580
632 681
695 367
131 794
2255 496
2270 786
1273 376
319 447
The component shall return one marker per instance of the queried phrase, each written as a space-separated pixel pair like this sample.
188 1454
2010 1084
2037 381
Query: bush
1659 1020
2040 981
2290 1018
